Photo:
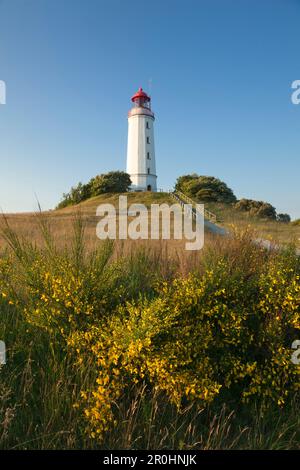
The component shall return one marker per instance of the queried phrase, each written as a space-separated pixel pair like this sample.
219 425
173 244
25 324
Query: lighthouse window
148 171
147 125
148 140
148 155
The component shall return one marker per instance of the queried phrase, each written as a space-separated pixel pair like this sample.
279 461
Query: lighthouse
140 147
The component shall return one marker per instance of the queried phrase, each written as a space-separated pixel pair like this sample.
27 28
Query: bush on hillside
205 188
259 209
112 182
285 218
181 180
76 195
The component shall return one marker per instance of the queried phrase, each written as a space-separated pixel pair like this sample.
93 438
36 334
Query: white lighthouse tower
140 149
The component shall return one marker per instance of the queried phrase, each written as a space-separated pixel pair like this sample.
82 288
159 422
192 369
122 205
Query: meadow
143 345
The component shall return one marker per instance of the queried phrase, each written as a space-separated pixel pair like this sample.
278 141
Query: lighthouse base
143 182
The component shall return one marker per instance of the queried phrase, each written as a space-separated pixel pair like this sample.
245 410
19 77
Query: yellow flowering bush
221 334
201 338
7 294
60 294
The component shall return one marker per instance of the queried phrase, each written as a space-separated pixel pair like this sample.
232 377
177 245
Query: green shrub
201 339
285 218
259 209
205 188
112 182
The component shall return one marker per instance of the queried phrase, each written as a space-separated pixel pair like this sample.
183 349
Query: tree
181 180
112 182
80 192
76 195
283 218
205 188
259 209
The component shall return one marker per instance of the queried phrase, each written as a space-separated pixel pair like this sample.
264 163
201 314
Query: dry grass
277 232
61 221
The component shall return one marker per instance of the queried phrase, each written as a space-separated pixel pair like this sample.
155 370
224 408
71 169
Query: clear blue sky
221 75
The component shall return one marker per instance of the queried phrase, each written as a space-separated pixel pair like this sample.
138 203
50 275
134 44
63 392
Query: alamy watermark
2 353
295 358
162 221
2 92
296 93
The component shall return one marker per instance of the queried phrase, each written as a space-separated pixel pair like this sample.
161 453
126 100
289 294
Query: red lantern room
141 99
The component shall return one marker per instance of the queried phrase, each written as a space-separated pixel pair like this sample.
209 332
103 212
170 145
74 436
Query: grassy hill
61 220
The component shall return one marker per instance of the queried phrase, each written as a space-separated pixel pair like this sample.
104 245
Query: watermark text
162 221
2 353
2 92
296 94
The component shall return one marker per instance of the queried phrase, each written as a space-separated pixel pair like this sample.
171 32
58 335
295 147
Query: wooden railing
186 199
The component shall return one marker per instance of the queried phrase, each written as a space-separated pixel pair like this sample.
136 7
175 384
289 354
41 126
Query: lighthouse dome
140 95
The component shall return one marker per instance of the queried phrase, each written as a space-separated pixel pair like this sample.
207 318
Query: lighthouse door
149 187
